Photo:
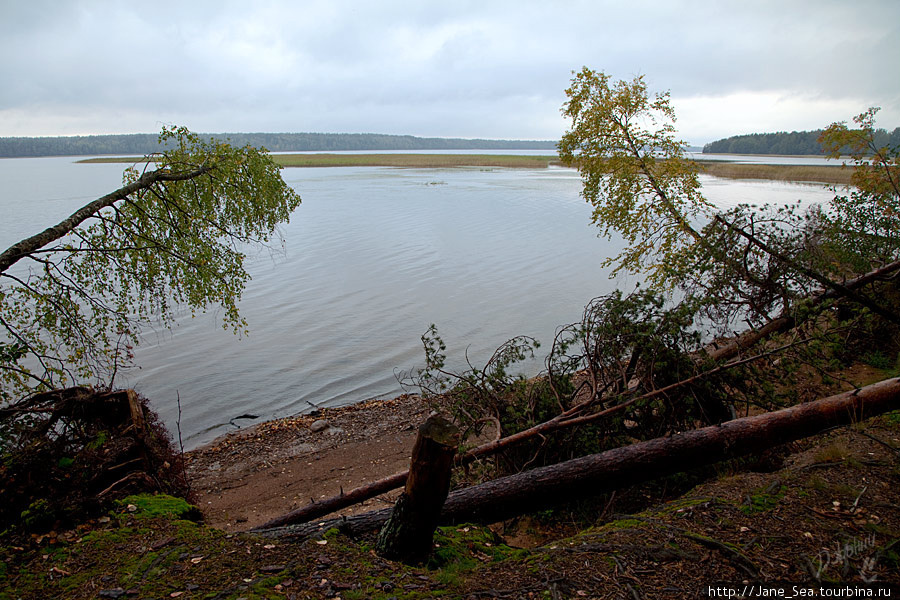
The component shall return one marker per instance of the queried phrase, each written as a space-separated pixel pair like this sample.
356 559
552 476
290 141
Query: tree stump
409 532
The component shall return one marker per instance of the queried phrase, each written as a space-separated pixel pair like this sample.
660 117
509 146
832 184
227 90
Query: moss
463 549
893 419
161 505
681 504
623 524
764 500
38 515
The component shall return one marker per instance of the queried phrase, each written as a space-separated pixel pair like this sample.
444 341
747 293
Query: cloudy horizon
494 70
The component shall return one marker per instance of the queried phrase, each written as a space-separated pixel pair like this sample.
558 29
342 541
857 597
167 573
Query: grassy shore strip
833 174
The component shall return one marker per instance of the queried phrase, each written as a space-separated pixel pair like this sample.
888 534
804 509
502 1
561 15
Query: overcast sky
447 68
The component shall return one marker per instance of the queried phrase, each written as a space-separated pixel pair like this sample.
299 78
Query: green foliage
782 142
624 346
38 515
479 395
72 310
749 263
622 338
738 279
628 346
862 228
878 360
635 175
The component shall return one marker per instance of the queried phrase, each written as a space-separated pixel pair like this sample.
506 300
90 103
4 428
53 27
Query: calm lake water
373 257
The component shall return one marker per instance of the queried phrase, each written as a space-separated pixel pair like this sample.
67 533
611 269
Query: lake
373 256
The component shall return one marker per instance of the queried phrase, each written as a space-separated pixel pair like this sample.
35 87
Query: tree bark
408 533
25 247
539 488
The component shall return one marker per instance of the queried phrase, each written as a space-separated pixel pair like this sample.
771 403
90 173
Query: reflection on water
373 256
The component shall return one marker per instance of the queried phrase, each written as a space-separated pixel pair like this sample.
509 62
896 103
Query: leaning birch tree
635 174
74 297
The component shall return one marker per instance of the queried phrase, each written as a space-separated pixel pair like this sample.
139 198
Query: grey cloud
492 69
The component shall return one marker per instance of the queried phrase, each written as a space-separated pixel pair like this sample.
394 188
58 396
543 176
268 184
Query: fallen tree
542 487
572 417
576 415
786 322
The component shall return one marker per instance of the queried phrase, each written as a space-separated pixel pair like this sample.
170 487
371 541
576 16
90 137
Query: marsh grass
425 161
835 174
798 173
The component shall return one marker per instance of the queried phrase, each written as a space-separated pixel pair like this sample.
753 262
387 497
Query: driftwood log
539 488
408 533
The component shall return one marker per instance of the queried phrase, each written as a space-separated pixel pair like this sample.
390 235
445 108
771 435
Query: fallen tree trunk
320 508
570 418
539 488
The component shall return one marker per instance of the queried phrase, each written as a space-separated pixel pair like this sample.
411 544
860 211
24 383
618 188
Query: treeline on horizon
146 143
795 142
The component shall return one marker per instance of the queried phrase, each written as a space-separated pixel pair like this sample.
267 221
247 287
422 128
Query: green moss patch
160 505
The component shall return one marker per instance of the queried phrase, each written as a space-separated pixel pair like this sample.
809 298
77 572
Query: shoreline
306 456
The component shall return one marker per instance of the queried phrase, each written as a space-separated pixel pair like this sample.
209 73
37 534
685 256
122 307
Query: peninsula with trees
802 143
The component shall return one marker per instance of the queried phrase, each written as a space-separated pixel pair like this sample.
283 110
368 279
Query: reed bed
829 174
834 174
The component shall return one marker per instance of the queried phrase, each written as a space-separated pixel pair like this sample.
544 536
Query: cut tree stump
408 533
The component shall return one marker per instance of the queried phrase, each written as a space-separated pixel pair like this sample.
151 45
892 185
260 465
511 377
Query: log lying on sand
620 467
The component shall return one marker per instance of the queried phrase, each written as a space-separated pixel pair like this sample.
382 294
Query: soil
248 477
831 511
825 508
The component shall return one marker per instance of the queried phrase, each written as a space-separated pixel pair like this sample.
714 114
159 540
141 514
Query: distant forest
146 143
795 142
